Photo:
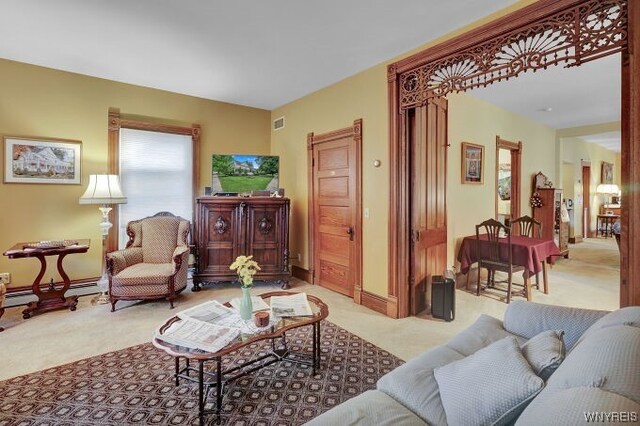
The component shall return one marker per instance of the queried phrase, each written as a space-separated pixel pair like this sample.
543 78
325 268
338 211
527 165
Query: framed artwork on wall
607 172
472 163
42 160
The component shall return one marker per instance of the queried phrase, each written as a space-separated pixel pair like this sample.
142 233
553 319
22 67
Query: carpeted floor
136 386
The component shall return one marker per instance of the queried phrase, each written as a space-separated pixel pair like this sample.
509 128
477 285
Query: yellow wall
329 109
36 101
363 95
474 120
574 150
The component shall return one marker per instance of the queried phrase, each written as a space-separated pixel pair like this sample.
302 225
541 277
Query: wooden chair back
491 246
527 226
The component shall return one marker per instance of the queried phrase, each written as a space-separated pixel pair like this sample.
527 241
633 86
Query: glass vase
246 305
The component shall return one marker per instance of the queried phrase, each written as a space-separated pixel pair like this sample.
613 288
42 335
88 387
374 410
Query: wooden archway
546 33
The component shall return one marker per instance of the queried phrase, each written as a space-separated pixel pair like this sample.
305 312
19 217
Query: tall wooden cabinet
553 228
227 227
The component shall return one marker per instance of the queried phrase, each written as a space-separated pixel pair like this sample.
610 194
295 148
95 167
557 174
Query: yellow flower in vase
246 268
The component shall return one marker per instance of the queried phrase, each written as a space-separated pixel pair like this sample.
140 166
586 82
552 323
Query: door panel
427 127
334 171
222 244
263 229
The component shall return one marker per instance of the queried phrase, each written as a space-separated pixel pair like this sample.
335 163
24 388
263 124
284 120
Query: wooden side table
51 298
605 224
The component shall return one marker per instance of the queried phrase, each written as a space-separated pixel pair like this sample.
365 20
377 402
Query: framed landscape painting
472 163
36 160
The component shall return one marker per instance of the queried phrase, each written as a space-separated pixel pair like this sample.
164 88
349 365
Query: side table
51 298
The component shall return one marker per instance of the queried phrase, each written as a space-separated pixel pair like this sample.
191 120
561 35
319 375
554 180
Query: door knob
350 232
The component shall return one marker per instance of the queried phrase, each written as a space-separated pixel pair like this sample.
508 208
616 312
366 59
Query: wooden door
428 158
335 223
586 201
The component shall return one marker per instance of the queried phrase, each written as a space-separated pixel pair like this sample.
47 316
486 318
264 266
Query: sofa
542 365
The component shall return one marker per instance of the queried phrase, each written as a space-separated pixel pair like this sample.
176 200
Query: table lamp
607 190
103 190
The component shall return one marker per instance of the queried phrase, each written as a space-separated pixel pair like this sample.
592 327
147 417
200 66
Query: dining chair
527 226
491 254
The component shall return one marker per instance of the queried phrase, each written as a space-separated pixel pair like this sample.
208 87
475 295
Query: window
158 168
156 172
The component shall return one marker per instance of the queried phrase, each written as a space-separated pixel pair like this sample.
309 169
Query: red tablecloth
527 252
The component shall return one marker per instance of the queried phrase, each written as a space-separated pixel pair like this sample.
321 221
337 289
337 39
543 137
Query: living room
50 103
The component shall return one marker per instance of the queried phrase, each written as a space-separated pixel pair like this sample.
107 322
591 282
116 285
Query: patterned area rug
136 386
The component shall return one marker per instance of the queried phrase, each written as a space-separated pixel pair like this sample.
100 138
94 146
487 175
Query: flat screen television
244 173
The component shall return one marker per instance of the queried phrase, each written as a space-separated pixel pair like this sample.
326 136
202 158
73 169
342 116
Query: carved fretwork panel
583 33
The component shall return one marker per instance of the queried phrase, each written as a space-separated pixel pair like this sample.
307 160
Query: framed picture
40 160
472 163
607 172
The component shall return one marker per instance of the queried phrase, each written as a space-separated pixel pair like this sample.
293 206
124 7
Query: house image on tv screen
244 173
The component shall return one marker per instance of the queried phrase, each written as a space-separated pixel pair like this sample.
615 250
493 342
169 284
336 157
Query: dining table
533 254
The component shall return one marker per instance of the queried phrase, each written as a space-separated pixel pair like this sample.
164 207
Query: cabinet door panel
220 247
263 233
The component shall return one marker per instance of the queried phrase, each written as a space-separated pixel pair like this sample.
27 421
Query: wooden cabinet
227 227
549 215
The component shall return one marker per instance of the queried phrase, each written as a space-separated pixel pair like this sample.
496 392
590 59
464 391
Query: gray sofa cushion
602 373
413 385
483 332
570 407
544 352
626 316
372 408
492 386
528 319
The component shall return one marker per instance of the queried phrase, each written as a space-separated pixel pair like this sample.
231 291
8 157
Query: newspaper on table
208 312
295 305
196 334
257 302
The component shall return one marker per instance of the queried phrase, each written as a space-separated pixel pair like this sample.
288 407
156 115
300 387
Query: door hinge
415 236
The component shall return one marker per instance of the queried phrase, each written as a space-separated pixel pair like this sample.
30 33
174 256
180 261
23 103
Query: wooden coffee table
279 352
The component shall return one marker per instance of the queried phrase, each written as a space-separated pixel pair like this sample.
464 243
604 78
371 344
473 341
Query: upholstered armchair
154 263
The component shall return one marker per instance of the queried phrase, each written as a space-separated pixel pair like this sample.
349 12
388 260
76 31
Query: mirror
503 185
507 189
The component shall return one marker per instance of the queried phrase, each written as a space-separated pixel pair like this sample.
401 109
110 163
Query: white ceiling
608 140
265 54
249 52
578 96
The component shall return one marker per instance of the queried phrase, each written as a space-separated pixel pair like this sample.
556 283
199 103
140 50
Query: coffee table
219 377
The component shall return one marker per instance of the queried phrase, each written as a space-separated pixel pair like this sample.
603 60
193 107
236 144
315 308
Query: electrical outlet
299 257
5 278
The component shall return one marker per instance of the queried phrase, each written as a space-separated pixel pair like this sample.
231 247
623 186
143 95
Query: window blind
156 174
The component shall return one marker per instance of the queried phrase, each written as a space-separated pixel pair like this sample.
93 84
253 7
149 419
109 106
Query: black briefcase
443 298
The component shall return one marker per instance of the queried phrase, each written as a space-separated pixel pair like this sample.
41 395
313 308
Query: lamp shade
608 189
103 189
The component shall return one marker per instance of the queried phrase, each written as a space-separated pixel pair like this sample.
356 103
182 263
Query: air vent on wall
278 123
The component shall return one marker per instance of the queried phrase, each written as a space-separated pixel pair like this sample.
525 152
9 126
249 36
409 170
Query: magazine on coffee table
257 302
295 305
195 334
209 312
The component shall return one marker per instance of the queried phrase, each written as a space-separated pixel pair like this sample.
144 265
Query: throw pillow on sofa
545 352
500 378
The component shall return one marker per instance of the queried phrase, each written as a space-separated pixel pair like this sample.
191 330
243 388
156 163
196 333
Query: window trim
116 122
